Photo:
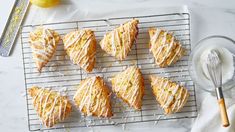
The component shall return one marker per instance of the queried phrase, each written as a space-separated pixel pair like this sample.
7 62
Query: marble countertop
209 17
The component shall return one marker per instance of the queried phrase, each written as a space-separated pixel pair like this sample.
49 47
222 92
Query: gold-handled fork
214 67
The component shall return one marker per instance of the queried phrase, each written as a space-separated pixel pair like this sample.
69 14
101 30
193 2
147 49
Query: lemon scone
165 48
51 107
43 43
129 86
80 46
118 42
93 97
170 95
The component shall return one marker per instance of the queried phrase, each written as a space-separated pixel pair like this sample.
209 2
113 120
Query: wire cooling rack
61 75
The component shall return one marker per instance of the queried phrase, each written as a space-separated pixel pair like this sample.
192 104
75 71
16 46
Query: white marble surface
209 17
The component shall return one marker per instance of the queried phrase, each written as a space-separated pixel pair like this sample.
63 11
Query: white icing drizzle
41 101
80 56
124 45
176 54
75 37
154 39
167 97
134 91
177 103
48 42
102 43
158 50
86 91
162 90
168 52
50 114
45 104
113 44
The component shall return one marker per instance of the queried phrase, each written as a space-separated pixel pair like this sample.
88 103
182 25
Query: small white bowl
224 44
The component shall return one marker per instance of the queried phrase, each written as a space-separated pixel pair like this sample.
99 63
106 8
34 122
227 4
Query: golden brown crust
170 95
43 43
129 86
80 46
165 48
118 42
93 97
51 107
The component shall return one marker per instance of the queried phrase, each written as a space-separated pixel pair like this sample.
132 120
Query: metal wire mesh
61 75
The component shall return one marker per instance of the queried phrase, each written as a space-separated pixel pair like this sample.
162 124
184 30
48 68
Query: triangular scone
93 97
170 95
129 86
80 46
51 107
43 43
165 48
118 42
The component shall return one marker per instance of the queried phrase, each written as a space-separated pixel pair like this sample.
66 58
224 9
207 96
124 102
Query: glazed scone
43 43
93 97
80 46
118 42
164 47
171 96
129 86
51 107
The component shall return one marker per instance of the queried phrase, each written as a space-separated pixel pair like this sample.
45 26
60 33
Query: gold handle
223 113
